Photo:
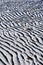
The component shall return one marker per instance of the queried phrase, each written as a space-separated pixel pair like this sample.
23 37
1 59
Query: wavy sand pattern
21 32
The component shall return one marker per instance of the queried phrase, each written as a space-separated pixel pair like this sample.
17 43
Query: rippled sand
21 32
